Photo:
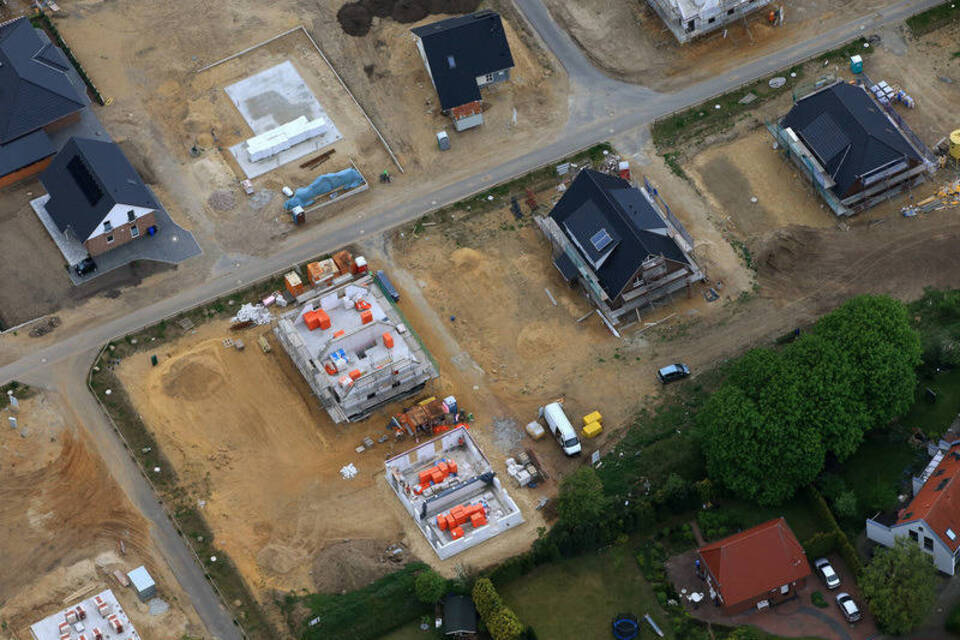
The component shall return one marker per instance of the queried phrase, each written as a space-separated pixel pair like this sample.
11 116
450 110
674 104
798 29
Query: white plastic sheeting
283 137
255 313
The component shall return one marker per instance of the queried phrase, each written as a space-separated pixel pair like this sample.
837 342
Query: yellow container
592 430
592 417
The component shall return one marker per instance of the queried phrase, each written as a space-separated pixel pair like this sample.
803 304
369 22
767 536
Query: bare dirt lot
62 520
490 272
148 65
233 423
629 41
34 282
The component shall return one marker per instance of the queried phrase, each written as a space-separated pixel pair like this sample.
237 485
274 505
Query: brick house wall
25 172
121 235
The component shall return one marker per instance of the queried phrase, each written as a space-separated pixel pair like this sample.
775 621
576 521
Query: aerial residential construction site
439 264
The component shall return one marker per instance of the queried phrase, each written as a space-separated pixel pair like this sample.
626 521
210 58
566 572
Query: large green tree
883 349
767 429
581 500
899 585
830 404
754 437
430 586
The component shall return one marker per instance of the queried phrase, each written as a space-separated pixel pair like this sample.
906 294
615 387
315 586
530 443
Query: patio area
797 617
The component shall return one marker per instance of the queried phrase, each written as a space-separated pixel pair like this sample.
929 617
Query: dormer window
131 216
107 227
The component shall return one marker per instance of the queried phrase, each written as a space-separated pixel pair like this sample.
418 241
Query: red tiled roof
938 501
753 562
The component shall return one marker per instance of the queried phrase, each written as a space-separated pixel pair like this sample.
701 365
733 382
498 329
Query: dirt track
62 518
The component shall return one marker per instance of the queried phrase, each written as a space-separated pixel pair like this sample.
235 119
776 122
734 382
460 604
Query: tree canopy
899 586
581 499
769 427
430 586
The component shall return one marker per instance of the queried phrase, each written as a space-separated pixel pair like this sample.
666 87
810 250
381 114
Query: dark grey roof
86 179
24 151
598 206
459 615
848 132
34 88
460 49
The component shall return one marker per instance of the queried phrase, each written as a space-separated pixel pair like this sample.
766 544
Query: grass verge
933 19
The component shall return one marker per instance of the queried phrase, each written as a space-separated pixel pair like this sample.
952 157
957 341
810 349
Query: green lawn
799 515
577 598
875 471
411 631
933 419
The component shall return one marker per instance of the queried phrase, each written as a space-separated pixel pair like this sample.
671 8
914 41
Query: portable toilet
142 583
443 140
856 64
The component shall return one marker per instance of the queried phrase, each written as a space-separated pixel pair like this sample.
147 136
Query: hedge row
368 613
833 539
45 22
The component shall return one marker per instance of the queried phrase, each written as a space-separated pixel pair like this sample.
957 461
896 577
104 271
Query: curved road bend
601 107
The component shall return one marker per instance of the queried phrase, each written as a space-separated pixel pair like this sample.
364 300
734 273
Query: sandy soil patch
236 423
62 520
629 41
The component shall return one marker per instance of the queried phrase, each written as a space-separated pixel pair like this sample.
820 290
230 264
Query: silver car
829 576
848 607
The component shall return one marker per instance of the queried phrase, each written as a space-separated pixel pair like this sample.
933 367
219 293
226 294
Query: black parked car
85 266
673 372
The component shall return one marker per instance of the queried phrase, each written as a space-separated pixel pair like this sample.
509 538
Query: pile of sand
352 564
537 339
193 378
782 249
466 259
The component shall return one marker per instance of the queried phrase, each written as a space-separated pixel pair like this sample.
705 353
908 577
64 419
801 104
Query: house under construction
855 149
689 19
354 350
621 244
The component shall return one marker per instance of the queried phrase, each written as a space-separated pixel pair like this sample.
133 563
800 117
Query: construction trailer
856 150
354 350
448 487
689 19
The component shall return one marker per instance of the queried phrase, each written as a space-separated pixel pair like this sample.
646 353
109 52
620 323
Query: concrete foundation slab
270 99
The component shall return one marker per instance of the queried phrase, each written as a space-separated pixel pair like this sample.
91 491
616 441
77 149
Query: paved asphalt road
600 108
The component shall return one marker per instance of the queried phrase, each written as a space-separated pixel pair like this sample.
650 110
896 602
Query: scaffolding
689 19
884 185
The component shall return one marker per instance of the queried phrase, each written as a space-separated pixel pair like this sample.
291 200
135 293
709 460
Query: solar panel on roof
825 138
601 240
85 181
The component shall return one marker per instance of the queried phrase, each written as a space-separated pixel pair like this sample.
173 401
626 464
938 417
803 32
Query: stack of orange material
361 304
366 317
344 262
460 515
435 474
316 319
387 340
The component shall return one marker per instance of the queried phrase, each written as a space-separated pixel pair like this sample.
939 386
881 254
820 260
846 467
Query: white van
561 428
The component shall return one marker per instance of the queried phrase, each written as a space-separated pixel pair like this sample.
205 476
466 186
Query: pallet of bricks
524 469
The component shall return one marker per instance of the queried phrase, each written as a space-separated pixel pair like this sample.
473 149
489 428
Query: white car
561 428
829 576
848 607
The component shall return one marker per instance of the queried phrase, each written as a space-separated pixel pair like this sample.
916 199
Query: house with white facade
463 55
932 518
96 197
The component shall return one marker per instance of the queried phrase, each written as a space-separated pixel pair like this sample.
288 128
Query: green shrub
368 613
820 544
818 601
430 586
952 623
846 505
505 625
486 598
